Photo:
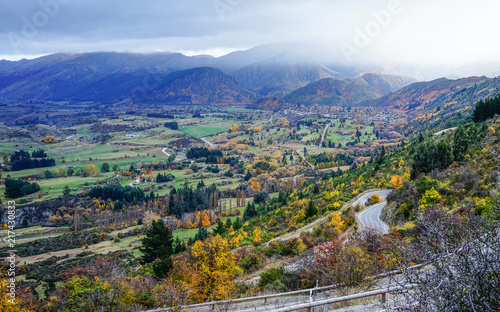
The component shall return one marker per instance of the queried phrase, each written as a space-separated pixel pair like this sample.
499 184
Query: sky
449 32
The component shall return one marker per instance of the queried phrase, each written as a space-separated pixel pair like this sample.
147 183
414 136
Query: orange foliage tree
209 270
375 199
396 181
256 187
204 218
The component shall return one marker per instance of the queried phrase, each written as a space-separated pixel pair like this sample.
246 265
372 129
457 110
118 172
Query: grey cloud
209 25
86 22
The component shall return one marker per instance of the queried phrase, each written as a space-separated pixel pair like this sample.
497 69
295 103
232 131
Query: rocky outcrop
35 213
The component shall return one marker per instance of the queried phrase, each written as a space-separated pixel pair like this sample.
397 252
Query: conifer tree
311 209
158 245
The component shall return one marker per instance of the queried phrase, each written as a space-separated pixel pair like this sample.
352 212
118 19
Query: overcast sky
446 32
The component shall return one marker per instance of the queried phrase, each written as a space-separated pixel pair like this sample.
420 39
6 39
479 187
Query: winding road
164 151
209 144
360 201
370 217
364 198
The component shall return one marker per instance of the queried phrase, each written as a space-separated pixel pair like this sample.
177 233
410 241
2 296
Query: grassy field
26 235
181 177
205 130
53 188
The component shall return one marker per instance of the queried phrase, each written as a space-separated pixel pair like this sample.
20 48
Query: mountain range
170 78
266 76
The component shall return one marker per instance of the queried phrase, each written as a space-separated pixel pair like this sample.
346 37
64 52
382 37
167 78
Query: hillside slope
417 96
281 74
203 85
64 76
331 91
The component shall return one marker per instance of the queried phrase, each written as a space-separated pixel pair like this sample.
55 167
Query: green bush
272 275
251 262
276 286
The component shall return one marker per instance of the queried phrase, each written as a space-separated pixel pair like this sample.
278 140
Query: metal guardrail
310 305
313 291
264 297
383 292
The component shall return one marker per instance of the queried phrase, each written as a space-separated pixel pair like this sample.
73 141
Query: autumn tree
396 181
284 122
335 225
255 184
149 218
344 264
374 199
90 169
429 199
213 265
205 219
61 172
171 295
48 139
257 232
7 302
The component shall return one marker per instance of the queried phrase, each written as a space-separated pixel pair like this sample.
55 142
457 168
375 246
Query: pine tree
250 212
461 142
311 209
158 244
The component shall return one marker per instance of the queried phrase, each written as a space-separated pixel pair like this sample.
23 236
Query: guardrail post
384 297
265 300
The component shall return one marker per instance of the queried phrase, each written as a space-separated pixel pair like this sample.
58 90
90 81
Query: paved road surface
370 217
209 144
362 200
445 130
313 167
323 136
164 151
